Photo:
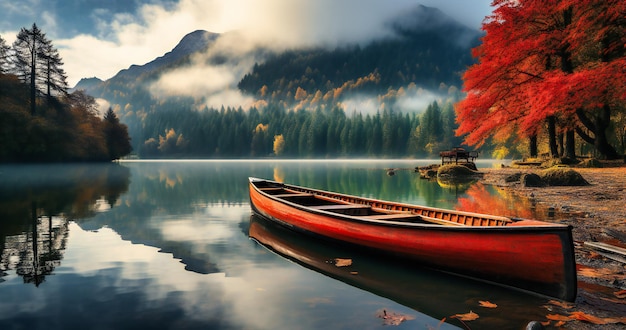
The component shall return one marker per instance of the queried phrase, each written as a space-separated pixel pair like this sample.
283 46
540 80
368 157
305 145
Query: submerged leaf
471 316
487 304
343 262
392 318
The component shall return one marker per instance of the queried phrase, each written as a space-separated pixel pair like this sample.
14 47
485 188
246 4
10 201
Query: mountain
137 75
193 42
87 83
420 62
430 49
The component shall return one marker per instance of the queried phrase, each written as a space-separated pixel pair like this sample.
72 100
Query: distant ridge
191 43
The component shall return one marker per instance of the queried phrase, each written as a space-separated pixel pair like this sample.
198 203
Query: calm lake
174 245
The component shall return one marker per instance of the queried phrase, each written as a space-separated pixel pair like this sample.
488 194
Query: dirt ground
591 210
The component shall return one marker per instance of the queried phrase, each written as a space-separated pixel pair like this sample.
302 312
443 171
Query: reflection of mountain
436 294
36 203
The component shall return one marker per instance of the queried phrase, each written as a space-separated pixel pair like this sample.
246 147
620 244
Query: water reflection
479 198
436 294
166 245
36 203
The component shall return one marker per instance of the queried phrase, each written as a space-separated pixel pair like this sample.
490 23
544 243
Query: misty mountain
136 76
429 50
420 62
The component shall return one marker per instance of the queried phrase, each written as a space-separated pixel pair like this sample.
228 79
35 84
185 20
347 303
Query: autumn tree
543 64
279 145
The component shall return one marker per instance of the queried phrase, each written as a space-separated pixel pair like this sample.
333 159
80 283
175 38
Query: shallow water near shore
173 244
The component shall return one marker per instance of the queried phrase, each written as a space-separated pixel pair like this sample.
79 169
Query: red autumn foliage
563 59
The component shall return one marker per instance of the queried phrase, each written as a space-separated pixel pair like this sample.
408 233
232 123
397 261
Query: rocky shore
597 212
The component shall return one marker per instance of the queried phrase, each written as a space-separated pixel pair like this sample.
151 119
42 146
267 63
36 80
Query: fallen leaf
614 301
603 273
471 316
620 294
580 316
392 318
561 304
558 317
487 304
546 323
593 272
559 324
343 262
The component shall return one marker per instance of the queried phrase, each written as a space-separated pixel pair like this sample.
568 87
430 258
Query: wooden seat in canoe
334 207
393 216
293 195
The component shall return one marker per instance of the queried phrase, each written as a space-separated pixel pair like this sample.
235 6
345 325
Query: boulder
559 176
456 171
531 180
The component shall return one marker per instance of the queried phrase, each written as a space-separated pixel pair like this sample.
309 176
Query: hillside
428 54
419 63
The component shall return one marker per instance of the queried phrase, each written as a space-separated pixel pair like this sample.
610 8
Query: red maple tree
555 64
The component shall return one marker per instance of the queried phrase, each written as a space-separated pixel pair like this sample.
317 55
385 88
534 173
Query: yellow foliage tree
301 94
279 144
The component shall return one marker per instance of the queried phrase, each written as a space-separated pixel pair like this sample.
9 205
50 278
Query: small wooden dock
457 154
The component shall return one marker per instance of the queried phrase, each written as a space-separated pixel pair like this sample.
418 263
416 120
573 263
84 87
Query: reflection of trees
36 203
480 200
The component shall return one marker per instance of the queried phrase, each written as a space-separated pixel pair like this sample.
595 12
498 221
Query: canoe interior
377 210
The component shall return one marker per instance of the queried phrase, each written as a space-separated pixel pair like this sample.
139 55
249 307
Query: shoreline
590 210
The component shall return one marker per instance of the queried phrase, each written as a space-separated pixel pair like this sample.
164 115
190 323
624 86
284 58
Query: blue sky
101 37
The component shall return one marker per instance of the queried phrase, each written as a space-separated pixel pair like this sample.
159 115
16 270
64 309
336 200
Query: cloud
151 31
148 29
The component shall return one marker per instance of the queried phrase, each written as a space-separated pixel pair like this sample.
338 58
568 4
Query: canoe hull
539 259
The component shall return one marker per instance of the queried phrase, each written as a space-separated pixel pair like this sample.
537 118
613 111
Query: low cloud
154 28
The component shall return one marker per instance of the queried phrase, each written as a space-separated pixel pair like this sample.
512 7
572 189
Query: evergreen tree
4 56
52 73
116 134
38 64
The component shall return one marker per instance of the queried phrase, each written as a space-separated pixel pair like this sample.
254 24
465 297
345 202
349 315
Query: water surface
174 245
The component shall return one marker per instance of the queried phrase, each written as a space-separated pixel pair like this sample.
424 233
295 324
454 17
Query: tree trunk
554 149
570 144
33 88
598 125
533 146
601 123
561 141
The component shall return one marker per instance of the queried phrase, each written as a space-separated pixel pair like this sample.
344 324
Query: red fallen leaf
561 304
620 294
581 316
471 316
487 304
558 317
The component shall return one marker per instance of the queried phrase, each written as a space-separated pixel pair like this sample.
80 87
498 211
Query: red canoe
531 255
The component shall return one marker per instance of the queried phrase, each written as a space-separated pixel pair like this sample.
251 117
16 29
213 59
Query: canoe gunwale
545 226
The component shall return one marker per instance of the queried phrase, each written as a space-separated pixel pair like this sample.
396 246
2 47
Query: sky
97 38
